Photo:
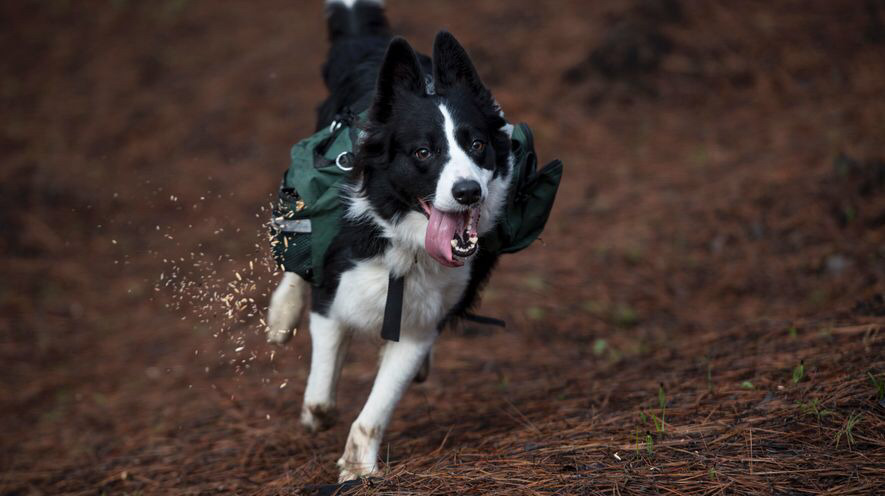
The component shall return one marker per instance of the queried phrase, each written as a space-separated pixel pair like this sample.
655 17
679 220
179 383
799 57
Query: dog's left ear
452 67
400 74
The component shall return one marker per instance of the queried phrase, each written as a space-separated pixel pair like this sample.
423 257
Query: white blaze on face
460 166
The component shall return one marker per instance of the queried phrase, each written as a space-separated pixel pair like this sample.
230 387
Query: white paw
278 336
285 308
360 453
318 417
352 471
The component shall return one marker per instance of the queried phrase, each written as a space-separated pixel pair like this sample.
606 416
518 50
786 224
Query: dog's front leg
399 364
329 341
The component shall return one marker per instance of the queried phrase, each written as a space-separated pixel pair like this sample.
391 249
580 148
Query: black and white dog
431 175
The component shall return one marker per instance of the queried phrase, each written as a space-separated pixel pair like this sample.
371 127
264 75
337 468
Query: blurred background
725 170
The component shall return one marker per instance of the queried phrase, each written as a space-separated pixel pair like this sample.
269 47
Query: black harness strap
393 309
482 319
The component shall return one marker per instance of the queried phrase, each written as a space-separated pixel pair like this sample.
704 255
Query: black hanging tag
393 309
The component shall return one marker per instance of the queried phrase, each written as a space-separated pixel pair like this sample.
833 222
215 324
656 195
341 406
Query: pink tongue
440 232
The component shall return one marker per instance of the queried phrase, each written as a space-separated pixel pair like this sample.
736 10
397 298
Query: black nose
467 191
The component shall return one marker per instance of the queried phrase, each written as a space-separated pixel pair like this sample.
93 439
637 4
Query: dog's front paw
318 417
278 335
354 470
360 453
285 308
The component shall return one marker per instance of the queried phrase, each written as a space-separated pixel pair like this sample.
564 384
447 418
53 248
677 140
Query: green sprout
813 408
662 403
879 385
636 433
623 315
535 312
799 372
599 346
847 429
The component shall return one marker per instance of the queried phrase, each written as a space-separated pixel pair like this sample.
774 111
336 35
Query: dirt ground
704 313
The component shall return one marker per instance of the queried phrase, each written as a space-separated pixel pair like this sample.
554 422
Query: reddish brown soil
721 221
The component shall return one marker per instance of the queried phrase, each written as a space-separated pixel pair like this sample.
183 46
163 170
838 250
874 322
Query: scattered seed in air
228 309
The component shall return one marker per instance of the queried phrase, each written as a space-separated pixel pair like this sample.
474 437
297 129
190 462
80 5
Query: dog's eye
478 146
423 154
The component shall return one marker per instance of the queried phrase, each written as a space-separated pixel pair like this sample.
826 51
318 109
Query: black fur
369 69
359 39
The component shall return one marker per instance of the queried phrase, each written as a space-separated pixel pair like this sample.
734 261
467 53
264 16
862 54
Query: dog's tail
356 18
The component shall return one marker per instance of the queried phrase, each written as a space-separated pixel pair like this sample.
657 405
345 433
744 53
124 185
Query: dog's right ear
400 73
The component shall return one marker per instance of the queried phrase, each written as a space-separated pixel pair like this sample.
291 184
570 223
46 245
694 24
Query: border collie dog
431 172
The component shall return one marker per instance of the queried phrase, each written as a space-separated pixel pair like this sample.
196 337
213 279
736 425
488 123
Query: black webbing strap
482 319
393 309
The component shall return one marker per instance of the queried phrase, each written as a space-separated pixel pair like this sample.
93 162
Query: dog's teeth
454 243
474 239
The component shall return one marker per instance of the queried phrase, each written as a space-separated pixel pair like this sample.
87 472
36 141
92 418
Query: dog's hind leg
329 342
285 308
399 364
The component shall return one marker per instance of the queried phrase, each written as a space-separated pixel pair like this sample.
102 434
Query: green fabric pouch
529 201
306 217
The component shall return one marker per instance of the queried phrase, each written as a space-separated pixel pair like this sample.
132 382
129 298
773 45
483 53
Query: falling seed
114 241
284 384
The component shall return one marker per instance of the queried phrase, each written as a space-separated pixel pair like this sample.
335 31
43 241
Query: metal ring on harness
339 161
336 125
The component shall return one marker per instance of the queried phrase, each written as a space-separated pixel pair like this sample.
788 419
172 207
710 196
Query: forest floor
704 313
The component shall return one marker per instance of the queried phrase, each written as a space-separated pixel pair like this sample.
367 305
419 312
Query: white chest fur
431 290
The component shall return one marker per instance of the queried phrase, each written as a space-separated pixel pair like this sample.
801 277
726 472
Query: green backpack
306 217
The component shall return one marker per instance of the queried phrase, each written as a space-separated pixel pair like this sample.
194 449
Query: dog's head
435 155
